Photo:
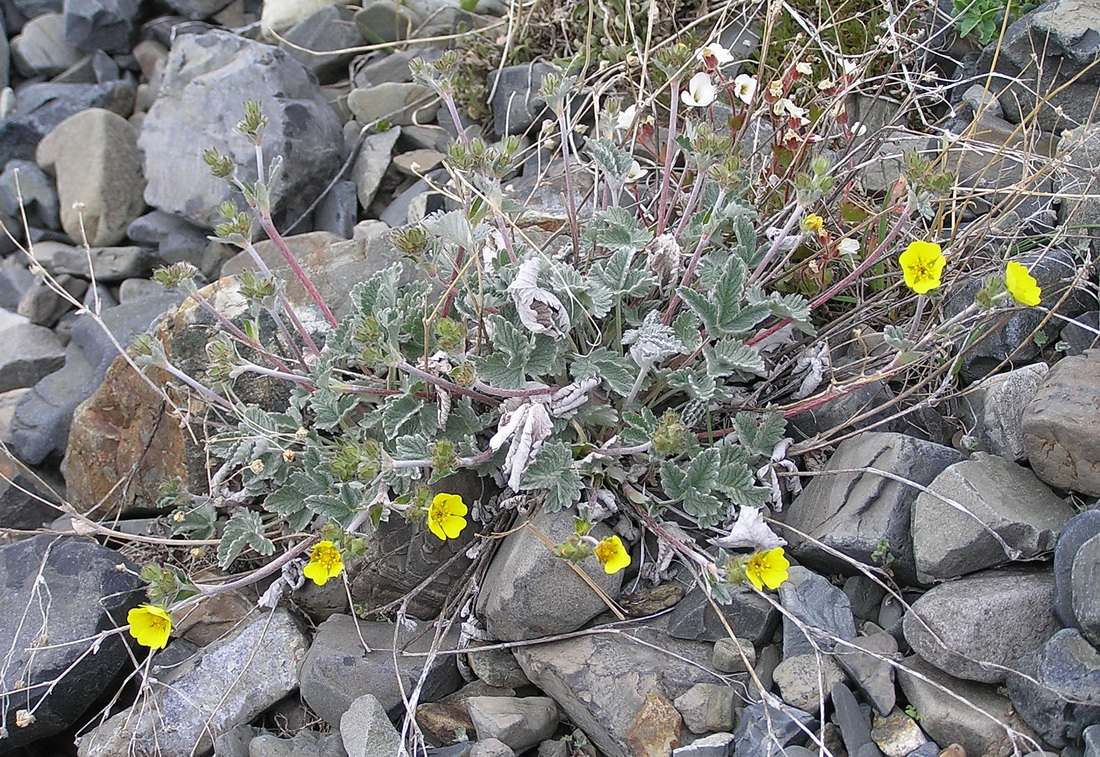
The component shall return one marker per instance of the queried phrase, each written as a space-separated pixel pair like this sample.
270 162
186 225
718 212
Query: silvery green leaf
896 338
652 341
453 227
617 370
539 310
621 278
759 434
727 356
616 230
243 530
749 532
614 160
198 522
554 473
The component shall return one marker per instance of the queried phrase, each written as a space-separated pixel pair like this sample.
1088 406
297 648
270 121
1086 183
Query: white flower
626 119
825 84
848 248
785 106
858 128
804 68
714 50
701 91
635 173
849 67
744 88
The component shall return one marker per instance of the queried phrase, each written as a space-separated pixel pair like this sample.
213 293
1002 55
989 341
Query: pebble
521 723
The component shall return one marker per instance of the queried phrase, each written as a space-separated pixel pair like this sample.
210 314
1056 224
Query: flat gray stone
521 723
366 729
24 179
815 604
371 163
303 744
321 40
31 353
994 410
109 264
765 728
41 49
515 96
398 103
109 25
868 663
708 707
749 615
1085 580
1080 529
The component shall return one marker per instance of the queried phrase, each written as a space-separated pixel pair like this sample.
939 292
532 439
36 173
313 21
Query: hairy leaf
617 370
243 531
554 473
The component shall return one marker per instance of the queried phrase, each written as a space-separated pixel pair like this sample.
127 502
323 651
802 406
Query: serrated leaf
554 473
640 426
705 508
735 478
613 160
400 413
617 370
411 448
243 531
730 355
697 384
702 470
616 229
377 292
339 506
584 298
673 479
198 522
452 227
621 278
759 434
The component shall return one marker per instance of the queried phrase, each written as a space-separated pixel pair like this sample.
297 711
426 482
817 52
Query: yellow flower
768 569
1021 284
325 562
445 516
922 263
813 223
612 554
150 625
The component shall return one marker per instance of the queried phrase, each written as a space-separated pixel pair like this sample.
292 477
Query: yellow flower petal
150 625
612 554
325 562
768 569
1022 285
445 516
921 264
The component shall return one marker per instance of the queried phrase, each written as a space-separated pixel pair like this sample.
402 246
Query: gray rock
897 734
1062 425
733 655
226 684
234 742
521 723
197 9
108 264
805 680
981 513
31 353
416 163
1083 334
384 66
496 667
979 626
22 178
14 283
366 729
215 73
92 68
398 103
868 663
5 55
1092 741
41 50
812 602
32 8
337 670
426 137
136 289
714 745
339 210
313 41
416 202
994 409
954 711
708 707
767 727
24 500
1057 688
371 163
927 749
1085 580
491 748
386 21
1080 529
303 744
45 306
854 724
748 614
65 592
175 239
604 682
853 513
41 107
515 100
530 592
101 24
95 158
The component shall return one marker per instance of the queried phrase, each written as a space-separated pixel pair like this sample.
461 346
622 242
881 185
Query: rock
767 727
529 591
865 596
8 401
337 670
805 680
303 744
26 179
1085 580
92 25
868 661
496 667
280 15
398 103
41 107
321 41
41 50
520 723
372 162
235 742
708 707
714 745
515 100
175 239
897 734
136 289
94 67
32 352
748 614
15 281
1083 333
994 409
366 729
224 685
386 21
95 158
854 724
45 306
1057 688
1092 741
733 655
981 513
956 711
108 264
656 729
822 609
64 591
856 514
216 72
197 9
607 684
339 210
416 202
1080 529
1062 425
416 163
977 627
491 748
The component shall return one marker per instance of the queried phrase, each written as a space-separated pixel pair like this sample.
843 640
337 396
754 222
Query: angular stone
398 103
94 67
386 21
65 591
806 680
320 41
1077 531
197 9
216 72
812 602
280 15
95 158
41 48
733 655
983 512
868 662
897 734
221 687
372 162
994 409
656 729
515 101
1085 580
491 748
496 667
749 615
714 745
32 352
521 723
767 727
1062 425
708 707
1083 334
174 238
24 179
303 744
854 724
44 306
92 25
416 163
339 210
1057 688
108 265
366 729
338 670
853 513
602 682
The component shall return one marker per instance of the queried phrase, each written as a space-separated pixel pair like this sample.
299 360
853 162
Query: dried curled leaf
525 428
539 310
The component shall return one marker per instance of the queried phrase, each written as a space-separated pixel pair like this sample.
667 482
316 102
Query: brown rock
655 731
444 723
